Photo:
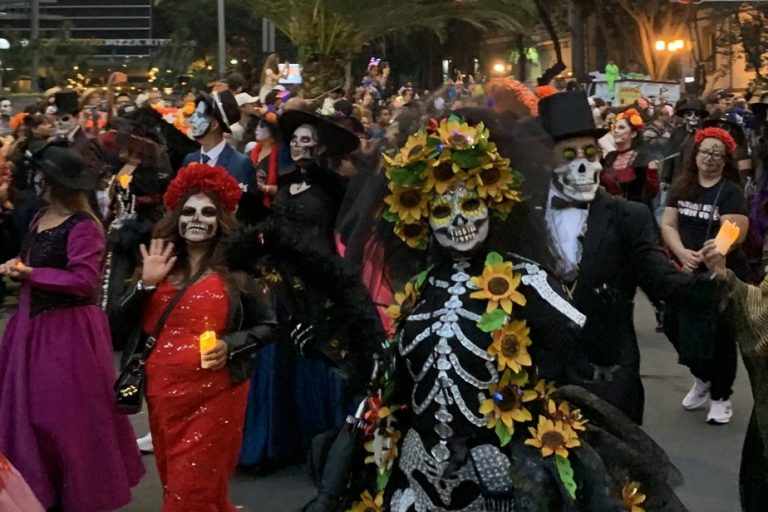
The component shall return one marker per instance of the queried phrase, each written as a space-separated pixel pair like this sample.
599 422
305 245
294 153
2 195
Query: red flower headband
198 177
719 134
631 116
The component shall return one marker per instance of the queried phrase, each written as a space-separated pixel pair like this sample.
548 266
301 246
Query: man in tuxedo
213 117
605 247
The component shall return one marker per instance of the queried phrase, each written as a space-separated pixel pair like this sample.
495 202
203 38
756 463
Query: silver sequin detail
536 278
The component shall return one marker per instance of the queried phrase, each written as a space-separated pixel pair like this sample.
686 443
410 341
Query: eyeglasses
712 155
590 152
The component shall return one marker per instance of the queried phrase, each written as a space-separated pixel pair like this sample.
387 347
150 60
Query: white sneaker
697 396
145 444
720 412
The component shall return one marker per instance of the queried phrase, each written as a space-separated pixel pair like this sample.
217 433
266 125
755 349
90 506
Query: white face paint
38 183
578 175
6 108
64 124
692 120
262 132
305 145
623 134
459 219
199 122
198 222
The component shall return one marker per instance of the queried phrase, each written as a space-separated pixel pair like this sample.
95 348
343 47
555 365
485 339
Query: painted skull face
38 183
459 219
692 120
198 222
199 122
578 175
6 108
305 144
64 124
262 132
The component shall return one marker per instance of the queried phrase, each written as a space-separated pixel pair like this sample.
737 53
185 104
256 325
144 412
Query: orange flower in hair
719 134
631 116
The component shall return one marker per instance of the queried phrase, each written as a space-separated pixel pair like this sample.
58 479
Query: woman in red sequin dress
197 402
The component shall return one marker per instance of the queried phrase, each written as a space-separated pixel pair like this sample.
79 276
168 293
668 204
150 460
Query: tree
743 30
329 33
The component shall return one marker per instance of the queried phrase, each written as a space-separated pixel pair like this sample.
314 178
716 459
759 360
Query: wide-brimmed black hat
67 101
65 167
338 140
760 110
222 106
567 114
728 124
694 104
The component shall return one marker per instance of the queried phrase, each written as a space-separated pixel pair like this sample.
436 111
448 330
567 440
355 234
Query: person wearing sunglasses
705 193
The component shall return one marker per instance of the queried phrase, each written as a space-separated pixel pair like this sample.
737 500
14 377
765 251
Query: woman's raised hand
158 261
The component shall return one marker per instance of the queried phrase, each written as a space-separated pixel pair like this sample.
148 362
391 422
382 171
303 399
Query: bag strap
152 340
714 207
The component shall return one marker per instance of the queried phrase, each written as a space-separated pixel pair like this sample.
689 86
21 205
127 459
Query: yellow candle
726 237
207 343
19 263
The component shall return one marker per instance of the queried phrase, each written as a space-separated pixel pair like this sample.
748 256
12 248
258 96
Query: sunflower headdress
433 161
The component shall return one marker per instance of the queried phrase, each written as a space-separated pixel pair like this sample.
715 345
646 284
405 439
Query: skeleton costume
463 419
693 112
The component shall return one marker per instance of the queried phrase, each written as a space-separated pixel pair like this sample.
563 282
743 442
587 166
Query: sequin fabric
196 415
48 249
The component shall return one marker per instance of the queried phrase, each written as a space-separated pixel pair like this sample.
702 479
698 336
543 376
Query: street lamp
673 46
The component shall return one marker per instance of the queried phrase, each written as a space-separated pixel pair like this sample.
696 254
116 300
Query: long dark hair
167 229
270 63
75 201
686 185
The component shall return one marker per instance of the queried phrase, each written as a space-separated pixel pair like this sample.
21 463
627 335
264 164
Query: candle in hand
207 343
726 237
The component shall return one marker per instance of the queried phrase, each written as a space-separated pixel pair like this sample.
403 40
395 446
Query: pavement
708 456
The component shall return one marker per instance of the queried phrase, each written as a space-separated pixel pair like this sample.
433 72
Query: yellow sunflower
507 403
404 302
510 346
383 449
493 180
414 150
499 285
456 134
553 437
632 497
563 412
368 503
544 389
410 204
414 234
442 174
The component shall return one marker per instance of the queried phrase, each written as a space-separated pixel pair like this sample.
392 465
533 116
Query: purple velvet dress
58 423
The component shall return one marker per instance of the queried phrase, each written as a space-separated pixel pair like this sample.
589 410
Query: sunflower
368 503
632 497
544 389
510 346
124 180
414 234
442 174
414 150
507 403
553 437
383 448
493 179
499 285
456 134
404 302
563 412
410 204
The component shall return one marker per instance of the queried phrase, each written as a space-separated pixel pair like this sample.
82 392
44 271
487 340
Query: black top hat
65 167
339 140
567 114
222 106
760 110
66 101
695 104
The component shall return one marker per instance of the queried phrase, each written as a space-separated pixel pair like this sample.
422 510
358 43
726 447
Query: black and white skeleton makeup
64 123
692 119
198 222
459 219
305 145
578 176
6 108
199 121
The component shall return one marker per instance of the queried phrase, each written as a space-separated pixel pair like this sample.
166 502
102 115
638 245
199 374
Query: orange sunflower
507 403
553 437
499 285
632 497
510 346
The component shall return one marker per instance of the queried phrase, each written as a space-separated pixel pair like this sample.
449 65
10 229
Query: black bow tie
558 203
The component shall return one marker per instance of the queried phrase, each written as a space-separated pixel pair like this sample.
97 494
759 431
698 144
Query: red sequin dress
196 415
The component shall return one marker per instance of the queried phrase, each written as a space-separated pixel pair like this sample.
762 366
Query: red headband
198 177
719 134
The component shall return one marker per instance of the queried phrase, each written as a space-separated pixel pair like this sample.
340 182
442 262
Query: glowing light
661 45
499 67
233 61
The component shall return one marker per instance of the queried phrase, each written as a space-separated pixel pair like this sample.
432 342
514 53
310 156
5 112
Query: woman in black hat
57 420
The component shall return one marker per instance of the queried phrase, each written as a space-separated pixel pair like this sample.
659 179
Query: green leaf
421 277
406 177
565 470
520 378
492 321
381 480
502 433
493 258
389 216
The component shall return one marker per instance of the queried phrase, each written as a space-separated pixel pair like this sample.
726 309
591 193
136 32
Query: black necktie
558 203
204 158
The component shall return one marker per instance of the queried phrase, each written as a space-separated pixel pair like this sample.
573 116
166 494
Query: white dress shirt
213 154
567 228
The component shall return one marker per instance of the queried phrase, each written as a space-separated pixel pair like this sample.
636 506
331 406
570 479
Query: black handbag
129 387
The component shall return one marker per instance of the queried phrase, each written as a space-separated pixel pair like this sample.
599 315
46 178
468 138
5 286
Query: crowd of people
447 278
